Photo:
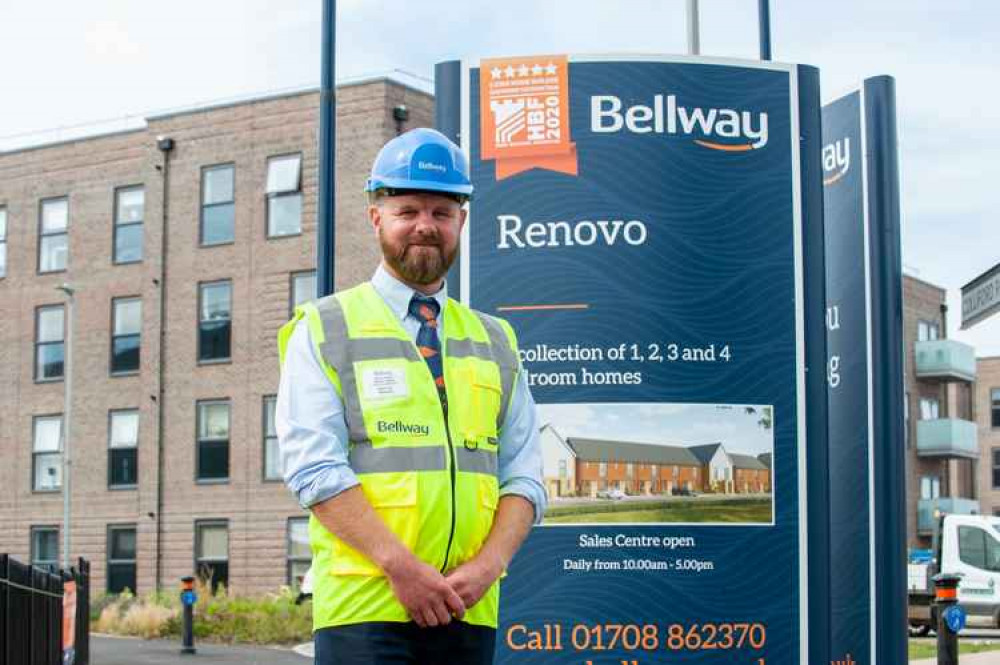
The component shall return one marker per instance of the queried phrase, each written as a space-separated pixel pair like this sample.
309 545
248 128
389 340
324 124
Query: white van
968 545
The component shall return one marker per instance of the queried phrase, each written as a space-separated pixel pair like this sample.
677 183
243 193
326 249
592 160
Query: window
930 487
211 552
217 207
926 331
602 469
656 471
49 346
213 440
563 469
272 460
215 321
978 548
303 288
46 453
3 242
996 468
995 407
906 419
121 559
126 324
629 469
130 207
929 408
284 195
53 236
299 554
123 441
45 548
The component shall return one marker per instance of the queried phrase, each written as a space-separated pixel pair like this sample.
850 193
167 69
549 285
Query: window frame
32 550
198 441
930 325
199 524
995 450
994 408
109 562
289 559
38 344
134 448
111 351
42 234
936 410
268 196
116 224
201 299
291 288
34 454
265 437
5 227
202 206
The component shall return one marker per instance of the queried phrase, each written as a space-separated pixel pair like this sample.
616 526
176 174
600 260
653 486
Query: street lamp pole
67 419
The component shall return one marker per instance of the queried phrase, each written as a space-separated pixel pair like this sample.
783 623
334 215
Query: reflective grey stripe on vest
364 458
336 352
503 355
476 461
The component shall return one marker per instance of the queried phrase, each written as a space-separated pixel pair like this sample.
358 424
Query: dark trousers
392 643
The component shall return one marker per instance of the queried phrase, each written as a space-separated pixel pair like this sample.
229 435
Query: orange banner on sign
524 114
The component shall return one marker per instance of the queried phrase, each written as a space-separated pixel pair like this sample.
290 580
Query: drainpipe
165 145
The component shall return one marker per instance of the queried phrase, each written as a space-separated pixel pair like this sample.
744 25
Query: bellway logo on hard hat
431 166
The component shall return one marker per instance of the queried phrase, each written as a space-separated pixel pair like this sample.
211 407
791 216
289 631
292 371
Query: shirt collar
398 295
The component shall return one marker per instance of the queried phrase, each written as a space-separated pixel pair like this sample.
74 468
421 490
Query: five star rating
524 70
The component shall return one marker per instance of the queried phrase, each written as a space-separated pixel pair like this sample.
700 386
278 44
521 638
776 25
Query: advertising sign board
652 229
864 319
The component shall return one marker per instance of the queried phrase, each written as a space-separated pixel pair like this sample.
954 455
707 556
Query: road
132 651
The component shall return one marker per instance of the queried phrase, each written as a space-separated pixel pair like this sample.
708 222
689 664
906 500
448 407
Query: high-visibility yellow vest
429 468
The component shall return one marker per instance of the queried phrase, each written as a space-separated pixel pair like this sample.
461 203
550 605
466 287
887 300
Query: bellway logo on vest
399 427
740 130
836 160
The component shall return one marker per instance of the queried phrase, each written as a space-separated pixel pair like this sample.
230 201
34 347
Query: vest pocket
489 496
394 498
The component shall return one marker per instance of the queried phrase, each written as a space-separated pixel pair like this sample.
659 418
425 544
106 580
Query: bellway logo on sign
741 130
836 160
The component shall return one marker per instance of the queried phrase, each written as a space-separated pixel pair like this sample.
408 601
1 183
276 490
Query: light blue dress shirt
312 432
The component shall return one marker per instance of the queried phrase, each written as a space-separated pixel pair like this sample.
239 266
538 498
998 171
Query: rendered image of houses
575 466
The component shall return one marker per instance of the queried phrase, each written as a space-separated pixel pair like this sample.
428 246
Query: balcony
947 437
926 509
946 359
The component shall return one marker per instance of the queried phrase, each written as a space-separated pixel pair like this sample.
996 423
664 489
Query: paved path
982 658
131 651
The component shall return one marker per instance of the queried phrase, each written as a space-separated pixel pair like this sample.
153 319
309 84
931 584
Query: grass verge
922 649
749 510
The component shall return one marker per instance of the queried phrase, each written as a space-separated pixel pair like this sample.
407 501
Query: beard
424 261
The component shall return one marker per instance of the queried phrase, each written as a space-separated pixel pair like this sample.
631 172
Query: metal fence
31 614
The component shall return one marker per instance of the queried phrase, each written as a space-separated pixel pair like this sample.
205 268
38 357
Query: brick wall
259 268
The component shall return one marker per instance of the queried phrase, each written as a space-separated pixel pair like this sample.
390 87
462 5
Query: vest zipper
451 457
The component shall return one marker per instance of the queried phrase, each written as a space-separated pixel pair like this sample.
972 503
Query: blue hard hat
421 159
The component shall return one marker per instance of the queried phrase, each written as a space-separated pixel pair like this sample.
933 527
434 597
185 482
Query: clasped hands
433 599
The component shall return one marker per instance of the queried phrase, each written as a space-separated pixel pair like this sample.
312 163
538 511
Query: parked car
613 494
683 491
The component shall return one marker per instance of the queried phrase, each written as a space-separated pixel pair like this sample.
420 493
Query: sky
104 64
664 424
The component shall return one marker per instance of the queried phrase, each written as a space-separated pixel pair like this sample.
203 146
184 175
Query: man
407 428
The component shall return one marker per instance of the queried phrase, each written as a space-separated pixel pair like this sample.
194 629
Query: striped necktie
426 311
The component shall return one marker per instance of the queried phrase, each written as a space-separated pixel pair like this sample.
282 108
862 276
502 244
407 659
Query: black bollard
188 599
946 603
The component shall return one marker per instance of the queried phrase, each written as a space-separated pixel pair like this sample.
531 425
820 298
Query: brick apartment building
988 421
186 243
942 446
